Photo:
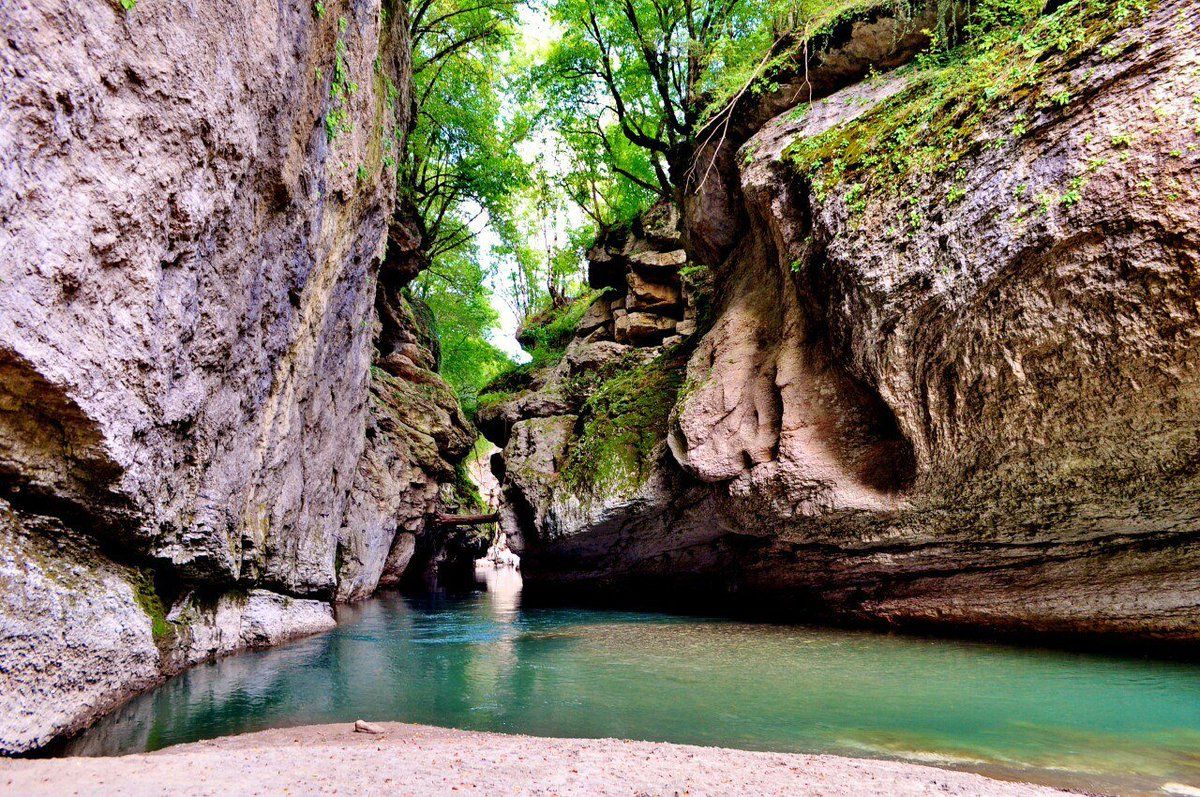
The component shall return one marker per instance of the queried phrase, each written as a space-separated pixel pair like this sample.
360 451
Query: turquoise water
482 661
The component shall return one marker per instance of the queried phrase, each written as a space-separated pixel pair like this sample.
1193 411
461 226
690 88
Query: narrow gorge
902 332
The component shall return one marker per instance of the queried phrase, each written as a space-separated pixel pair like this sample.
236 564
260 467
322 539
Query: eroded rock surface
206 629
193 293
959 397
73 635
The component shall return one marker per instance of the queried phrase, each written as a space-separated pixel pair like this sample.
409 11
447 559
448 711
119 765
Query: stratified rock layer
193 208
971 400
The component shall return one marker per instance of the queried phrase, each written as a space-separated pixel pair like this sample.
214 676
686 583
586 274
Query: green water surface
481 661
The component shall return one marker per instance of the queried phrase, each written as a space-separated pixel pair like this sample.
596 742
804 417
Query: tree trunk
467 520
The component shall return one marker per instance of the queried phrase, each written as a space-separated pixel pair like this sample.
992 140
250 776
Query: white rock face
187 256
74 639
77 636
241 621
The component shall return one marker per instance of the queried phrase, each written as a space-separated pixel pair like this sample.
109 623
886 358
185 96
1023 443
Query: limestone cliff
947 375
196 453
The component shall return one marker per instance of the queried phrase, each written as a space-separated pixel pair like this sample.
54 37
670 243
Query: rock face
233 622
956 396
75 638
640 270
581 433
191 299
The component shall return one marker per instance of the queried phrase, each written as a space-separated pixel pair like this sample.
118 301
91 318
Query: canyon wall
943 371
218 413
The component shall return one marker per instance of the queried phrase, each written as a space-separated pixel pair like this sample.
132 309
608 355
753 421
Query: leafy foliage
462 162
459 170
545 149
940 117
544 246
454 287
631 83
746 64
547 334
341 88
548 148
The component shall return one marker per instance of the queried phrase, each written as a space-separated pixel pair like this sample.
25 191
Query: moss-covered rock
622 422
986 92
546 334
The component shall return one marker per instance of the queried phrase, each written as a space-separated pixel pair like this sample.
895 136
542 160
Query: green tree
631 85
632 72
461 162
454 287
545 251
459 169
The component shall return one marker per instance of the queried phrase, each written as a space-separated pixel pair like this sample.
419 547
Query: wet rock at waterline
965 399
82 633
74 634
218 407
205 629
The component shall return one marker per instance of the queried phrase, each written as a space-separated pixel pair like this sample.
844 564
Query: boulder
496 421
535 454
658 262
643 329
660 226
205 629
362 726
400 554
82 633
75 638
586 356
662 298
598 315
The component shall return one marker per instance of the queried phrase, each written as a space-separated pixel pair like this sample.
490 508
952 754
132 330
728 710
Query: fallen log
467 520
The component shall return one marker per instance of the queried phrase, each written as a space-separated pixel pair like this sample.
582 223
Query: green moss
466 494
495 397
546 334
1010 51
151 603
818 24
341 89
621 423
506 386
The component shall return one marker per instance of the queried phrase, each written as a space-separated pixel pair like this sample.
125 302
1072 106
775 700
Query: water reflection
483 661
503 588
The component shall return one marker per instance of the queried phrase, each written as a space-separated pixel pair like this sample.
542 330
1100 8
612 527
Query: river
483 661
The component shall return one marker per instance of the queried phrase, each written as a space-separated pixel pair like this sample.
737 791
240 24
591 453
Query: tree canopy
520 151
630 83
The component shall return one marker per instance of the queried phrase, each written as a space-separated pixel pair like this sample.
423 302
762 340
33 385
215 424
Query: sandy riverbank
421 760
